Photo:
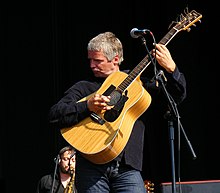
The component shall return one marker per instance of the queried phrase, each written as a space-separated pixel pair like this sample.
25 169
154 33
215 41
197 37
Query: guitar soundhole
115 97
113 114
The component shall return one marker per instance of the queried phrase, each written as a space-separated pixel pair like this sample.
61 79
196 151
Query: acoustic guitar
101 137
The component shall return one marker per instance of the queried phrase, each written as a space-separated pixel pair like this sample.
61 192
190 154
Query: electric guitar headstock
149 186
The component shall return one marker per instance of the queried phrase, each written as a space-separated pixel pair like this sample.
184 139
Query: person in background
62 180
123 173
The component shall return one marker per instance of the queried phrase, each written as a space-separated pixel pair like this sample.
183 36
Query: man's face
66 163
100 65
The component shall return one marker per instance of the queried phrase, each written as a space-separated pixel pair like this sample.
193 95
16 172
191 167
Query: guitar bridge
96 118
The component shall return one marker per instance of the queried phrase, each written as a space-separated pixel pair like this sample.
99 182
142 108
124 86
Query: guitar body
101 143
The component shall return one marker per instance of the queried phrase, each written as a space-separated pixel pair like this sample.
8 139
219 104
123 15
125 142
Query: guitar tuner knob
188 29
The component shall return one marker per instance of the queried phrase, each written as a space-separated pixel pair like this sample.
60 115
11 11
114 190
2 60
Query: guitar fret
133 74
168 36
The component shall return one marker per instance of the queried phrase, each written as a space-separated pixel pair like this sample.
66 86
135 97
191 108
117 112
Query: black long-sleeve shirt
67 112
45 184
47 181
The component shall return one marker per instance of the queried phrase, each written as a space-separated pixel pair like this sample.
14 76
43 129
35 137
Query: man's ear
116 60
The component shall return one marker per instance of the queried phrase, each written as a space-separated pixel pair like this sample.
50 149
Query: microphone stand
54 174
171 115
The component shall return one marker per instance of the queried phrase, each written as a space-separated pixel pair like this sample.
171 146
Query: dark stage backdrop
44 53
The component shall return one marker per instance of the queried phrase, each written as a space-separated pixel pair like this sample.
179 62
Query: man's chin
99 75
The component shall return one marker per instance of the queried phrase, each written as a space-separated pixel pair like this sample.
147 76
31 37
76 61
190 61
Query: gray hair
107 43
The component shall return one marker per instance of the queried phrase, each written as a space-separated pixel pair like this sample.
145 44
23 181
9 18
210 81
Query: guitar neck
186 21
145 62
169 36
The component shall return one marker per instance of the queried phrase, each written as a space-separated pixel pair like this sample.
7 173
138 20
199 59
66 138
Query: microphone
57 159
136 33
74 153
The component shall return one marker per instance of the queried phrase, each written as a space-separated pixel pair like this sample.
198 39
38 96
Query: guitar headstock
187 20
149 186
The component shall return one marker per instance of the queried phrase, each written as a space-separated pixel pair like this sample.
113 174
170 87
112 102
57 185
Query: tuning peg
188 29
